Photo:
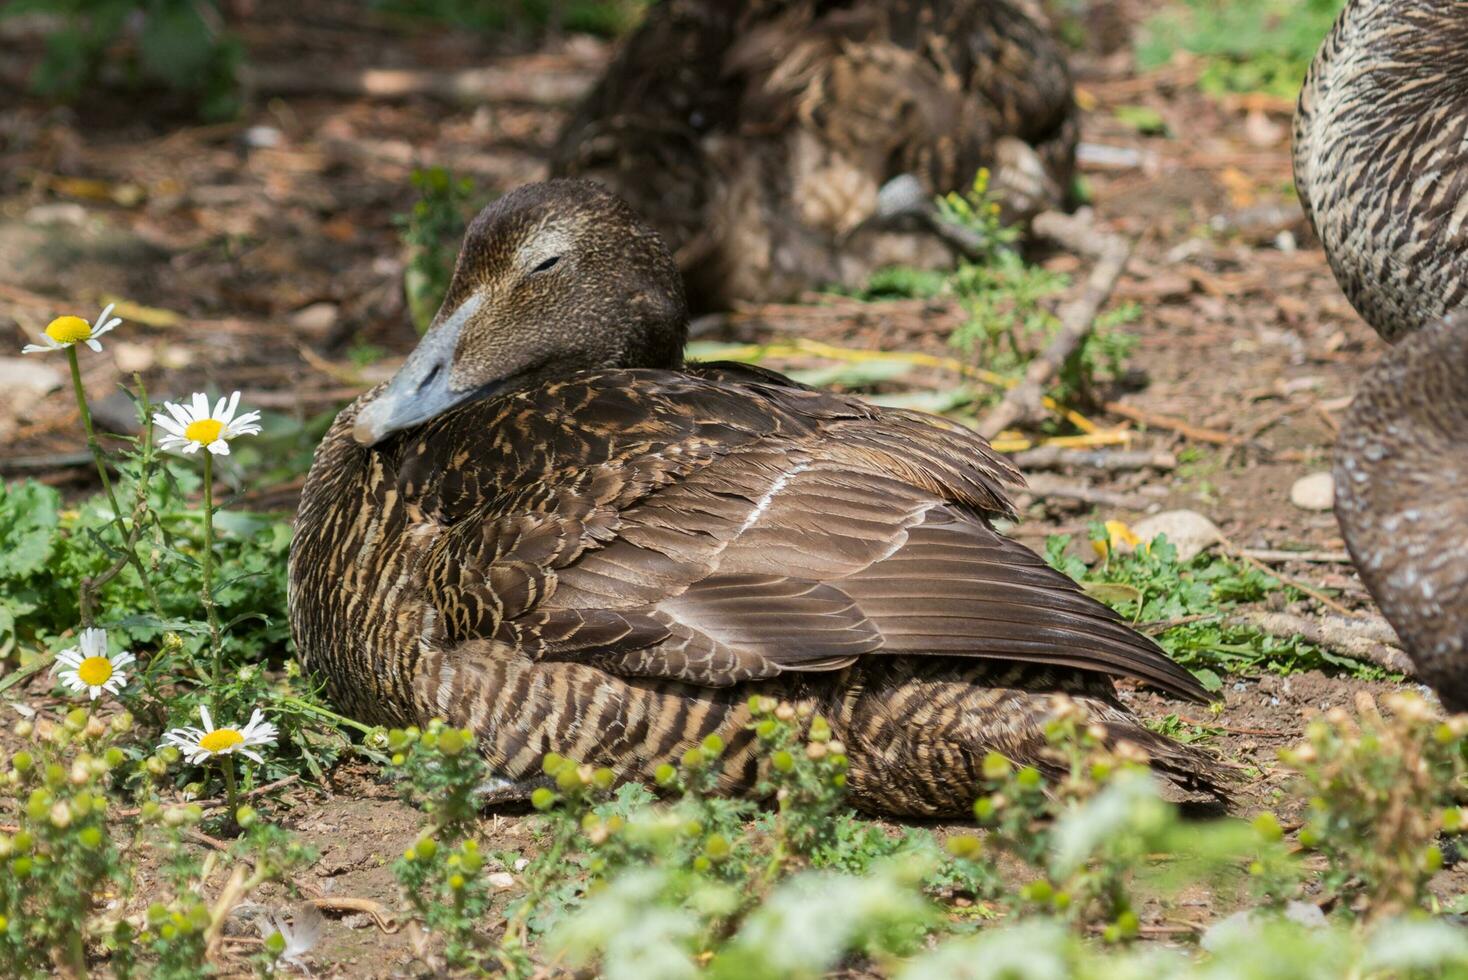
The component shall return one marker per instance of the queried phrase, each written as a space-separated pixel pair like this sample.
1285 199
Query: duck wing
723 525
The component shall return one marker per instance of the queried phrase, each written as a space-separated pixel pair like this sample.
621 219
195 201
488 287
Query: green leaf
29 517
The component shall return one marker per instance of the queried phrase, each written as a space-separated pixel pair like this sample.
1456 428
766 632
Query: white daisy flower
187 428
64 331
88 667
202 744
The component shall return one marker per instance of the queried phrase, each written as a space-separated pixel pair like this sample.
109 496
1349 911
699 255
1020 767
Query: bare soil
272 241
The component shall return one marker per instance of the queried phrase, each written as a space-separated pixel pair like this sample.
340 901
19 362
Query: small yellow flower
188 428
88 666
1119 538
66 331
201 744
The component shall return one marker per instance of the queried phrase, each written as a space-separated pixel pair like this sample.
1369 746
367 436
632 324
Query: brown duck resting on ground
756 136
548 528
1381 163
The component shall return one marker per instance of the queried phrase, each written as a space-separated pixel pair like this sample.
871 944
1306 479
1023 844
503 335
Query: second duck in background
756 136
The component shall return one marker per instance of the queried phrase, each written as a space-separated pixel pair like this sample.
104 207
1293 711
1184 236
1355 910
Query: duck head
553 278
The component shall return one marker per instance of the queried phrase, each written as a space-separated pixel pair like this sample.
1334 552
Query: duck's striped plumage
1381 143
1381 163
608 563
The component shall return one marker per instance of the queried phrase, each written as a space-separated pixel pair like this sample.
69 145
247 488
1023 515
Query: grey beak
421 389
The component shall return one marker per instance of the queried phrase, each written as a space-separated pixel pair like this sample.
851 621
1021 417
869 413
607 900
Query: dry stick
234 890
1041 485
1273 418
1108 461
219 801
1183 428
1313 557
1361 639
381 916
1076 318
1304 587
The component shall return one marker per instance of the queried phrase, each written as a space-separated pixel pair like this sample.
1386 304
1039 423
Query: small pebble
1187 530
1313 492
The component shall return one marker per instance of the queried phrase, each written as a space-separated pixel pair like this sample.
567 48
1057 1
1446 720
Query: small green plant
440 873
1188 603
91 784
180 44
1007 300
1382 788
1245 45
431 231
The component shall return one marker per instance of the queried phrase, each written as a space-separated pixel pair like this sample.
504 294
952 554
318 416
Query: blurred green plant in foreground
687 884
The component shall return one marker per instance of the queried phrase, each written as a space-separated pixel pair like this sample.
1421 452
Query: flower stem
128 540
216 649
316 709
92 443
231 791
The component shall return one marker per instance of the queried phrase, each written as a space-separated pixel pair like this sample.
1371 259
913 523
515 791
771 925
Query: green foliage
1093 842
145 562
1381 790
608 18
441 873
1007 300
81 837
179 44
431 232
50 550
1245 45
1189 602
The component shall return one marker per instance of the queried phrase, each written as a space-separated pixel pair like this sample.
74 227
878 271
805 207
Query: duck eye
547 265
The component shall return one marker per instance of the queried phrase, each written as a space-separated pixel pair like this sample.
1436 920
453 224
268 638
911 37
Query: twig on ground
1077 317
1270 555
1057 457
379 913
1181 427
1304 587
1258 429
220 801
1362 639
1041 485
234 890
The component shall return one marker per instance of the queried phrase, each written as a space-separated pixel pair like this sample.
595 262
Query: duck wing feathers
722 525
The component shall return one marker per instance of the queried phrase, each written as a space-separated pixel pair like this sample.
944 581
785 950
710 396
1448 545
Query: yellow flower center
204 431
220 739
68 329
95 671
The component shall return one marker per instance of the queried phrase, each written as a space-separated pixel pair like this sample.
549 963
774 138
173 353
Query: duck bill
422 389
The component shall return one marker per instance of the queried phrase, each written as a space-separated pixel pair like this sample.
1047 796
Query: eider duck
1381 163
756 136
548 528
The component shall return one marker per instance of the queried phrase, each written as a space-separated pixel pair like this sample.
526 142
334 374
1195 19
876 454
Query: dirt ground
265 252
